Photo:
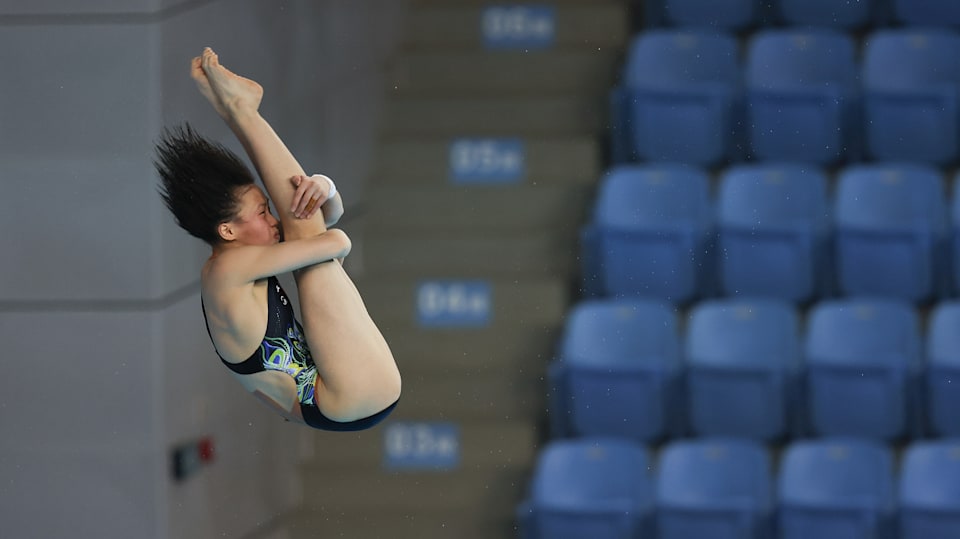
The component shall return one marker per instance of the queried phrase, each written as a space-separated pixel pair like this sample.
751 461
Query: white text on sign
521 26
422 445
486 160
454 303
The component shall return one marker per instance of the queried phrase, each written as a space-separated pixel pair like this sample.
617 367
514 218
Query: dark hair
199 180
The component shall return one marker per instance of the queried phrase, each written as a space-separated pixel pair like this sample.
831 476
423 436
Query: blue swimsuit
284 348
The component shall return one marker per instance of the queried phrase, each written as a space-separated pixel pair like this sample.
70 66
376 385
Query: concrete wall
106 363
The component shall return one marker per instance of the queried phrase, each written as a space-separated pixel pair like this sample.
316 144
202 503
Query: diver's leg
357 372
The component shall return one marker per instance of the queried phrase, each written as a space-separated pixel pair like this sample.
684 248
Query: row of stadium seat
773 230
739 14
797 95
728 488
749 368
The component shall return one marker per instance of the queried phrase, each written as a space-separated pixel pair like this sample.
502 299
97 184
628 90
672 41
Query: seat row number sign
518 26
486 160
421 446
454 304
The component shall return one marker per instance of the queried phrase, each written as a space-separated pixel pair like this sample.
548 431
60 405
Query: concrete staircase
468 266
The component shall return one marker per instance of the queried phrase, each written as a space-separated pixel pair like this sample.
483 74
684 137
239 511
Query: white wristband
333 186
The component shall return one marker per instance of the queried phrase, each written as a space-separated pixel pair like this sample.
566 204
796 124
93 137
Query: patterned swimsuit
284 349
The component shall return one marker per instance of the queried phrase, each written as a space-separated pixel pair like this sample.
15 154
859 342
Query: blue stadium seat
714 488
890 231
716 14
677 100
836 489
861 356
742 359
943 369
955 232
649 232
930 490
800 88
773 228
911 90
589 488
617 370
827 13
928 12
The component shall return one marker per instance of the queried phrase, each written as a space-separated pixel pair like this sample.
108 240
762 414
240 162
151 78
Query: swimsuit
284 348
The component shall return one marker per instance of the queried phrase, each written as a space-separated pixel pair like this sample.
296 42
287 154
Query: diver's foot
230 93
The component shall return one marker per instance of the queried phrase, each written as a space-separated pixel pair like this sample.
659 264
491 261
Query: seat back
837 475
829 13
867 351
725 14
715 473
590 488
801 59
891 231
911 58
930 477
863 332
620 332
927 12
772 224
741 355
773 197
943 335
955 214
891 196
620 361
651 229
670 59
743 334
637 197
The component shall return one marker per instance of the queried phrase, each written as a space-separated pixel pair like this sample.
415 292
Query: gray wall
106 363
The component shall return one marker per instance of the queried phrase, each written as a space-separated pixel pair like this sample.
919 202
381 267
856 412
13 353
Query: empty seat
617 370
860 357
955 232
911 89
589 488
676 102
927 12
649 232
800 87
827 13
741 356
890 231
714 488
943 369
836 489
930 490
718 14
773 225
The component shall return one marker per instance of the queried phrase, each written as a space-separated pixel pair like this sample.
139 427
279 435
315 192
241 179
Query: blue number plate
519 26
487 160
421 446
454 303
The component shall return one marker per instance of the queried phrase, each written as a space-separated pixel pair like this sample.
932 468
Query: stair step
472 352
426 161
603 24
490 487
471 209
421 73
497 396
479 254
488 444
477 522
520 303
513 116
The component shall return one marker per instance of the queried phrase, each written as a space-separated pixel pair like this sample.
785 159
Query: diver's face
254 223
